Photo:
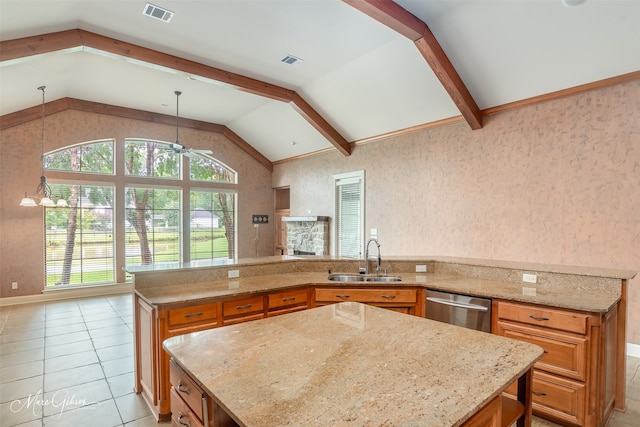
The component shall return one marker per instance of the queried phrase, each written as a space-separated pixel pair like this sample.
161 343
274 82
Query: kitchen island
353 364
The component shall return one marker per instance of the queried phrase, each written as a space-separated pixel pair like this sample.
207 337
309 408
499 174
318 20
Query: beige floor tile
102 414
62 330
18 372
20 388
112 340
109 331
132 407
115 367
21 336
19 411
115 352
19 346
66 338
21 357
76 396
147 421
97 324
64 321
52 351
72 377
70 361
122 384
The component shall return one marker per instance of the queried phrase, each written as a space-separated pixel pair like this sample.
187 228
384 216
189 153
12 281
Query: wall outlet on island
421 268
529 278
14 285
233 274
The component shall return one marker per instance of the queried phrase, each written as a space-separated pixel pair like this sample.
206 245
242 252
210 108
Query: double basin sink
362 278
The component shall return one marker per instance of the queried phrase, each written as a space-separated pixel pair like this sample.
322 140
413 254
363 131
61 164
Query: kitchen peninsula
352 364
578 314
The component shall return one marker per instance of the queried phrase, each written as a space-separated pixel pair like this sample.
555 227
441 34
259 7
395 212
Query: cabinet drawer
192 314
559 398
243 306
185 389
564 354
181 414
367 295
288 298
545 317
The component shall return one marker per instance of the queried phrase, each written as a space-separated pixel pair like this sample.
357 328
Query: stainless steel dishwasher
461 310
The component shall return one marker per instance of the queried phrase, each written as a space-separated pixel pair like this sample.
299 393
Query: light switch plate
233 274
421 268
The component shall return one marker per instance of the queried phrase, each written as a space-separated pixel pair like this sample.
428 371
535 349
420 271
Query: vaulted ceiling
364 68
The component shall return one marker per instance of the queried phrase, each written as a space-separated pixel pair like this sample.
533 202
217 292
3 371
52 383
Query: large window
82 244
349 213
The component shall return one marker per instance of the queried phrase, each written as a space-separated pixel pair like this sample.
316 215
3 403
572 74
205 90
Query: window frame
339 180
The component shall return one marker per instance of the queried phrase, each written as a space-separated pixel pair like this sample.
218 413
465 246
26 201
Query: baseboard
69 293
633 350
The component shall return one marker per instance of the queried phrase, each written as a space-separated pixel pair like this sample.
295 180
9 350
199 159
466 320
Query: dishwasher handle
458 304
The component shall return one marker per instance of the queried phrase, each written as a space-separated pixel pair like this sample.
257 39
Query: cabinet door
146 359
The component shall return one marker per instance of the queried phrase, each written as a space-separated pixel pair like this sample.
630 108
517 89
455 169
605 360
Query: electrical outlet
260 219
14 285
421 268
232 274
374 233
529 291
529 278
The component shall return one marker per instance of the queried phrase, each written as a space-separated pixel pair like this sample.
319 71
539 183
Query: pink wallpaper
558 183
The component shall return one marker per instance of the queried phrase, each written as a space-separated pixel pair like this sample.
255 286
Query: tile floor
70 363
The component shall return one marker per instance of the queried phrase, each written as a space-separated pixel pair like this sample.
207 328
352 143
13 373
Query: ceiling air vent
290 59
157 12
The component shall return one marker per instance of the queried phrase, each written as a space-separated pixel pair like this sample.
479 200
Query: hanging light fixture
43 191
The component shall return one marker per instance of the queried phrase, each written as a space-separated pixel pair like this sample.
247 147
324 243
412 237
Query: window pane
349 214
79 239
152 226
95 157
212 224
151 159
207 169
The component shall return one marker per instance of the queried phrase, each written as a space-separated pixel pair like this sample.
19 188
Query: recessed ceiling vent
157 12
291 60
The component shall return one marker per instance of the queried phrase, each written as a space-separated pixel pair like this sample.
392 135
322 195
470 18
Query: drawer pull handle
194 314
242 307
288 299
342 296
388 296
182 422
539 393
538 317
182 389
545 351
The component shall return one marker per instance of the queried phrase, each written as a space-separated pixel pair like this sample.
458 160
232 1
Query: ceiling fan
177 147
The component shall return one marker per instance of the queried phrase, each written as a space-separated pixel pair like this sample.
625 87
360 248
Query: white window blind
349 222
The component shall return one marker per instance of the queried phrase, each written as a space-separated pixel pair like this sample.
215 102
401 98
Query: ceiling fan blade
188 154
201 151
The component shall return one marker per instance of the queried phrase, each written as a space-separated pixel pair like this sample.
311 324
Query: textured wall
558 183
21 232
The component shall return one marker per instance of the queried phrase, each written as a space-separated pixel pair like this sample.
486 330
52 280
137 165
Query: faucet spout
378 258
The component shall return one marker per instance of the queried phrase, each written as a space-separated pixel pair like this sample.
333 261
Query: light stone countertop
596 299
350 364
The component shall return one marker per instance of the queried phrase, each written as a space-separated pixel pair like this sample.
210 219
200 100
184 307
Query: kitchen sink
346 278
360 278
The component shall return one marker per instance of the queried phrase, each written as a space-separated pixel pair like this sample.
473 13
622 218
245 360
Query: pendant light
43 191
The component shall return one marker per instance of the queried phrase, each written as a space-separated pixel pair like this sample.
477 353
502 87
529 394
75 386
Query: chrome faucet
366 257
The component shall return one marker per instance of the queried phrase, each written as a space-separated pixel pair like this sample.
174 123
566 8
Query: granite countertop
351 364
596 300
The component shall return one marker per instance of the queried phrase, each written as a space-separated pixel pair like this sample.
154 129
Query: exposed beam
400 20
35 113
24 48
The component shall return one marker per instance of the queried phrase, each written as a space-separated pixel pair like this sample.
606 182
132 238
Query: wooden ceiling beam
400 20
22 49
35 113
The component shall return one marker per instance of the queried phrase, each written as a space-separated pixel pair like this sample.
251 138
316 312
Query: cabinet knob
183 422
182 389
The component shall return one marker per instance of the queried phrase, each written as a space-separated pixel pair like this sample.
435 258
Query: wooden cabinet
190 405
572 383
404 300
243 309
287 301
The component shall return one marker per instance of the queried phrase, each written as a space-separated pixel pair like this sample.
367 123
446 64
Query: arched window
161 207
